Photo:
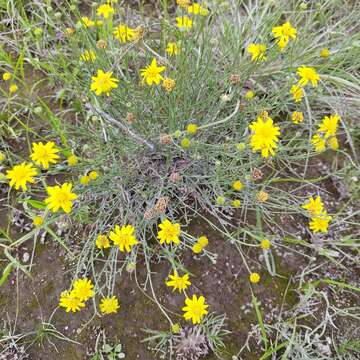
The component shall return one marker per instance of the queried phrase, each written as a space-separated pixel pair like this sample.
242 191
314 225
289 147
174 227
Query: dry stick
111 120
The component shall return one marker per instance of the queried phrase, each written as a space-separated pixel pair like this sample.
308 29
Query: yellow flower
109 305
21 174
265 244
297 117
83 289
195 309
236 203
197 9
70 302
249 95
333 143
318 142
151 74
307 74
13 88
237 185
184 23
197 248
86 22
172 49
325 53
314 206
84 180
203 241
44 154
297 93
254 277
123 237
262 196
329 125
283 33
105 10
93 175
168 84
38 221
264 136
192 129
183 3
60 197
72 160
124 33
220 200
103 82
178 282
88 55
257 51
169 232
185 143
320 223
102 242
6 76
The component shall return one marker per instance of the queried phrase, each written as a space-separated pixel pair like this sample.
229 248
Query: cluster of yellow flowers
319 221
43 155
201 243
326 134
13 88
82 290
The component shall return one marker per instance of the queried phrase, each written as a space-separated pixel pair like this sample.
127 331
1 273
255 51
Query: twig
120 125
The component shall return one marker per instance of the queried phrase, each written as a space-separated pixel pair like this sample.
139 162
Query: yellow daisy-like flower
195 309
297 117
168 84
172 48
84 180
262 196
103 82
236 203
123 237
320 223
314 206
105 10
203 241
192 129
283 33
83 289
318 142
297 92
333 143
70 302
152 73
237 185
169 232
257 51
249 95
265 244
109 305
307 74
21 174
93 175
197 248
102 242
254 277
86 22
124 33
13 88
88 55
60 197
264 136
329 125
6 76
45 154
325 53
178 282
184 23
38 221
72 160
197 9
